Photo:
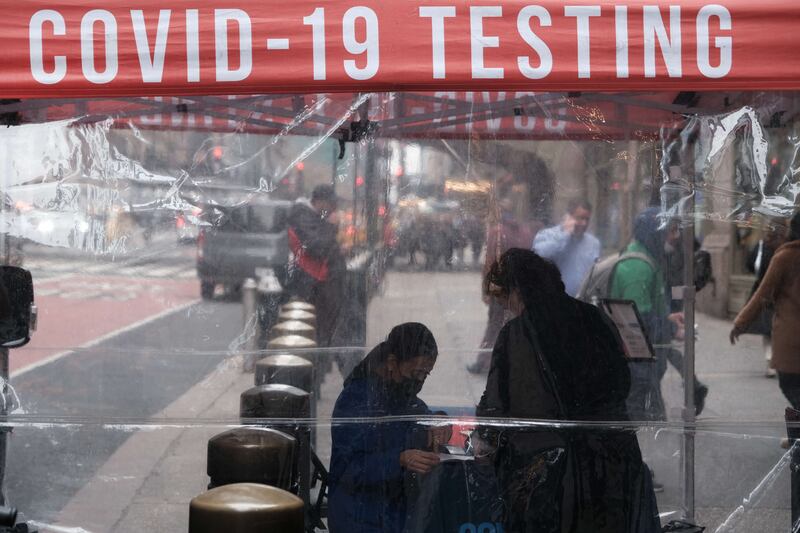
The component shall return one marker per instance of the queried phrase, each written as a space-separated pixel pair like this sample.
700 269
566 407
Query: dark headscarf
649 230
537 279
579 351
406 341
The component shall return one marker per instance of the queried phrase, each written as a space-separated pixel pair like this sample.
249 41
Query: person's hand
680 325
677 319
735 332
568 225
439 436
418 461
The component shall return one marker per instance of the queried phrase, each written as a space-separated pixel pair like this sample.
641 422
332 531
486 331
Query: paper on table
444 457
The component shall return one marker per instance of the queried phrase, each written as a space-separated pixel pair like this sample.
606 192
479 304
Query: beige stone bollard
246 508
293 327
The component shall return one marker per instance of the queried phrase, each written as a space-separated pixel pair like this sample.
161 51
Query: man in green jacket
644 283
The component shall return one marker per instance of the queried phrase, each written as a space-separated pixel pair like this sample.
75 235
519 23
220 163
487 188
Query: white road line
95 268
163 272
50 266
124 271
103 338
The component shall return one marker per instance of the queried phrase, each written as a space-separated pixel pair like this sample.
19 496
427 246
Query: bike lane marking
81 311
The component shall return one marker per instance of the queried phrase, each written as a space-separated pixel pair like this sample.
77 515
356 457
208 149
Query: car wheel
207 289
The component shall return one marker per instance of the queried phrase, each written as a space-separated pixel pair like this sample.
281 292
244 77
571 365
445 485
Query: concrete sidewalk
148 483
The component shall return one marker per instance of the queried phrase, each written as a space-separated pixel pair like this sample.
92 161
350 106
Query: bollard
246 508
249 319
270 294
252 455
302 316
289 403
293 327
297 305
275 401
285 369
302 347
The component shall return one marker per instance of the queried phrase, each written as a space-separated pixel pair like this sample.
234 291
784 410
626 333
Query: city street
130 374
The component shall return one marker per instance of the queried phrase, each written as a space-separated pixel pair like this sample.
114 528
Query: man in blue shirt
569 246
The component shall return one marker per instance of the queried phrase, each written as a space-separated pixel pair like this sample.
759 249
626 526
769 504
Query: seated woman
370 458
559 359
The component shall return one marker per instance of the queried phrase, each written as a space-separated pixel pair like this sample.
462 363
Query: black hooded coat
563 362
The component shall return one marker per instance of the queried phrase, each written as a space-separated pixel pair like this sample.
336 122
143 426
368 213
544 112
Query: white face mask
668 248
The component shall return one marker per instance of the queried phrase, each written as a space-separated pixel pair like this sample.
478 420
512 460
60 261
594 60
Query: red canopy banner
180 47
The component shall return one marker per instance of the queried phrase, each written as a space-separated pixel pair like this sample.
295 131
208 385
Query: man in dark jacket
317 269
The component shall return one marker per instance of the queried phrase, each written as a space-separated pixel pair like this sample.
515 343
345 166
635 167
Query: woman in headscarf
370 458
559 359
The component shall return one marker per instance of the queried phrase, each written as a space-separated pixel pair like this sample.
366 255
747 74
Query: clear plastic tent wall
168 239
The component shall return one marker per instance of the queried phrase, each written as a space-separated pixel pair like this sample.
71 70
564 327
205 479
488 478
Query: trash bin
285 369
293 327
246 508
252 455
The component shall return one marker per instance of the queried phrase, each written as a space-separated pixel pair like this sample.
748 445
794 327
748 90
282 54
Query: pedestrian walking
780 290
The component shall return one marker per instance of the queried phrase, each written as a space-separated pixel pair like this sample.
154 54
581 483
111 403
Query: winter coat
317 256
366 491
634 279
566 363
780 288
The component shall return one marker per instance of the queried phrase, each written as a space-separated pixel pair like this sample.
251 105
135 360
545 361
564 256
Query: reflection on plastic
50 528
429 187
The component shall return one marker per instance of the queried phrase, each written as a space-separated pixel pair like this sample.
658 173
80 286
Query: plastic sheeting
140 236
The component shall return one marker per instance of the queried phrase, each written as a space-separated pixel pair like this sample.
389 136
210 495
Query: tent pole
688 452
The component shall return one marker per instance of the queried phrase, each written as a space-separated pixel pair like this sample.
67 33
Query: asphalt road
75 409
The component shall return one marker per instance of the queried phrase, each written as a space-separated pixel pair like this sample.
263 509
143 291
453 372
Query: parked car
245 238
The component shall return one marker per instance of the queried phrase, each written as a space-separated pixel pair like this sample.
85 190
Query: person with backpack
639 276
598 285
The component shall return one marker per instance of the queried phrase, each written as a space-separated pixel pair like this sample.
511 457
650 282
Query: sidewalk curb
104 500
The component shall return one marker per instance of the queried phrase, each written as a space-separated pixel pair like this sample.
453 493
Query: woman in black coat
561 360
